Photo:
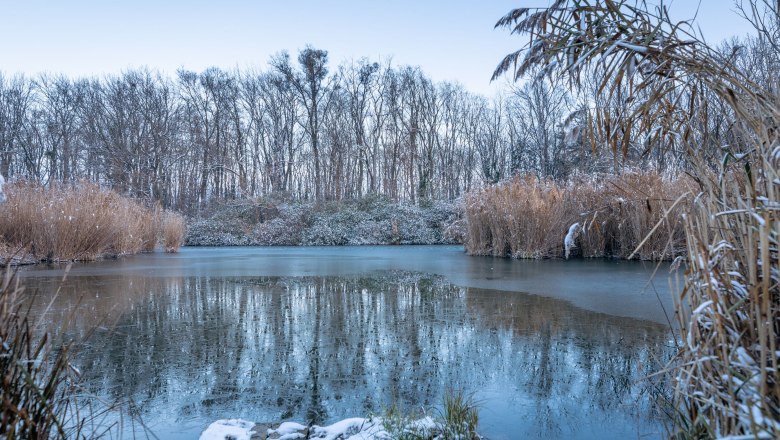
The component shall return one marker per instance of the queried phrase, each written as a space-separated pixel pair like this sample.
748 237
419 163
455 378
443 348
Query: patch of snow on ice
233 429
351 429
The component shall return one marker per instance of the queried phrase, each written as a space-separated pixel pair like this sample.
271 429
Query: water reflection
190 350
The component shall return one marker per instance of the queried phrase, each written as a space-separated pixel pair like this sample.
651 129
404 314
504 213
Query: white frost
568 242
234 429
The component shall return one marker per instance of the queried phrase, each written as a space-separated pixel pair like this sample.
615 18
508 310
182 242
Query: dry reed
75 223
529 218
725 375
173 229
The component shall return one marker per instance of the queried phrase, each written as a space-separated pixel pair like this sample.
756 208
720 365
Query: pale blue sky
451 40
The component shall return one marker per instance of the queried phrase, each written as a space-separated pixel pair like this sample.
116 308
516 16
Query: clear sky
450 39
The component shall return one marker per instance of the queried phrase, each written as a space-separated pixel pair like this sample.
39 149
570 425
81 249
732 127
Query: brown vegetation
173 230
38 395
81 222
725 372
529 218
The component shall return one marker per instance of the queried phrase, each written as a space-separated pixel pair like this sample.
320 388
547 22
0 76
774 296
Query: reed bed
527 217
725 377
725 374
79 223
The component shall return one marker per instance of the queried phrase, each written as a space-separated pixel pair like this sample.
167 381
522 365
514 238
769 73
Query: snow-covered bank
348 429
367 221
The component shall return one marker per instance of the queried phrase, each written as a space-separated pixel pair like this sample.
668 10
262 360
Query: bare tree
309 82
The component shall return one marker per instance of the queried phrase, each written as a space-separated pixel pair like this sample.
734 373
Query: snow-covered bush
368 221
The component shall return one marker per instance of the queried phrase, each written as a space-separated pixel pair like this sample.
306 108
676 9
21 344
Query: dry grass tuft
529 218
173 229
75 223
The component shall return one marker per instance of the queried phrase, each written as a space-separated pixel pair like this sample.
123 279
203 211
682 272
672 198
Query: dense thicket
599 216
83 222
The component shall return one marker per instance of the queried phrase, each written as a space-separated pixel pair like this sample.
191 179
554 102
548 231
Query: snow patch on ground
351 429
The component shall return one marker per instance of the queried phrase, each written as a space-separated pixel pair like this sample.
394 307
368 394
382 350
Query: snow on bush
368 221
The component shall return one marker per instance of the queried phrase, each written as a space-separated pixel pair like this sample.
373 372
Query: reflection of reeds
83 222
528 217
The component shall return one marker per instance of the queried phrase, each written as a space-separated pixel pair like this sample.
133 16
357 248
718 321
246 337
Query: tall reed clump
528 218
78 223
725 374
173 229
460 416
38 383
521 218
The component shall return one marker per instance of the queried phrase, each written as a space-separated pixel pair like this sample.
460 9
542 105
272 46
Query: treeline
296 128
304 130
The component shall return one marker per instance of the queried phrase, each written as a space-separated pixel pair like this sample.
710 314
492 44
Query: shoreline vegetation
81 222
662 83
588 217
525 217
371 220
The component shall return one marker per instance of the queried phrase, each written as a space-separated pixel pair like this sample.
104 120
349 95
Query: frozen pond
550 348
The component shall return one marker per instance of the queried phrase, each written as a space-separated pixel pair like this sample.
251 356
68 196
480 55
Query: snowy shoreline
348 429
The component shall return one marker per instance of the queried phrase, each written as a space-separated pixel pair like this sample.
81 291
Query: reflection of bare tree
319 349
575 364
